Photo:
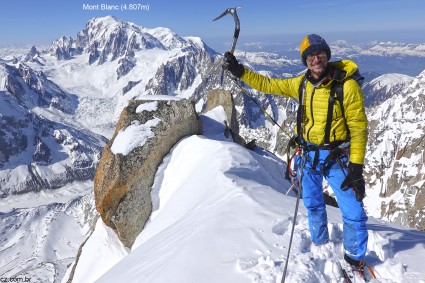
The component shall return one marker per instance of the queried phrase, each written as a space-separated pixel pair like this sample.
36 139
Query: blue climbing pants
353 214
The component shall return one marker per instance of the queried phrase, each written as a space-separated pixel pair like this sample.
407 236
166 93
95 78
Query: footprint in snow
244 264
282 226
262 269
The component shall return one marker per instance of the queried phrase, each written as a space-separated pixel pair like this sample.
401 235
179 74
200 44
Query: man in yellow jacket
346 134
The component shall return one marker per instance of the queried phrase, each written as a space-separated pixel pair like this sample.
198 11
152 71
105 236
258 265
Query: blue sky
42 21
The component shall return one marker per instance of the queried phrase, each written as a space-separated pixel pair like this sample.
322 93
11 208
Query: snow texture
222 216
133 136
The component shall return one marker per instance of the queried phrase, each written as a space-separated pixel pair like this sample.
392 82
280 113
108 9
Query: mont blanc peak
108 38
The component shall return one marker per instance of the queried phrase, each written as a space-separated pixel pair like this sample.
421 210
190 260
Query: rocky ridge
124 177
395 157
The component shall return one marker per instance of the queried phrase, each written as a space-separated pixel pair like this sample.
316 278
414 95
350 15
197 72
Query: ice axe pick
232 11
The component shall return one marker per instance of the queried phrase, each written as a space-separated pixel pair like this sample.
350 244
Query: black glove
231 63
355 180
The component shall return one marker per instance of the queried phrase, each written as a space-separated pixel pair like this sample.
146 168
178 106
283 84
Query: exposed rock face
64 48
20 81
37 152
123 180
32 55
224 98
395 158
178 74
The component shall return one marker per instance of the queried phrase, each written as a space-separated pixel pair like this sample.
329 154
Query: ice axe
232 11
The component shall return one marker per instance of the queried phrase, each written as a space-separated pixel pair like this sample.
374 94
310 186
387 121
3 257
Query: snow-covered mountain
379 58
39 242
103 38
112 61
374 58
59 105
39 149
383 87
395 157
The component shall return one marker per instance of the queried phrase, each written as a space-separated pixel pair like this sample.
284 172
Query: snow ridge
228 217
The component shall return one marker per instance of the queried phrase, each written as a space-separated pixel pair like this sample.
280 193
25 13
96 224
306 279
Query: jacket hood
343 69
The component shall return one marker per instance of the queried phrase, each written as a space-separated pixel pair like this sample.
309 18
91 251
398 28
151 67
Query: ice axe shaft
232 11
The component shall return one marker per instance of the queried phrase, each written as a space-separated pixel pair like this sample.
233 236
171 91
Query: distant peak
107 20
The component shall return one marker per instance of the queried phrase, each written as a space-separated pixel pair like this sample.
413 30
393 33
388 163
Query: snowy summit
223 215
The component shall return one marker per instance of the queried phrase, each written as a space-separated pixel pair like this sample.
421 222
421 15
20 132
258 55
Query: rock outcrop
145 133
127 168
219 97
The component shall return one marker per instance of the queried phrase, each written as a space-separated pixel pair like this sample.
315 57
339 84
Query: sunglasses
320 55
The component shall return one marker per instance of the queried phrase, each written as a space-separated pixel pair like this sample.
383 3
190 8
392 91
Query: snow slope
39 242
221 215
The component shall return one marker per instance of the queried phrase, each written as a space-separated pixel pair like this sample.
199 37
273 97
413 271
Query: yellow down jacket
316 107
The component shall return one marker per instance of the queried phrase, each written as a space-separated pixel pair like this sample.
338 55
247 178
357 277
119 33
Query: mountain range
59 107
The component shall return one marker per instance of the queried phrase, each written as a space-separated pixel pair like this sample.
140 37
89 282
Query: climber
332 135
